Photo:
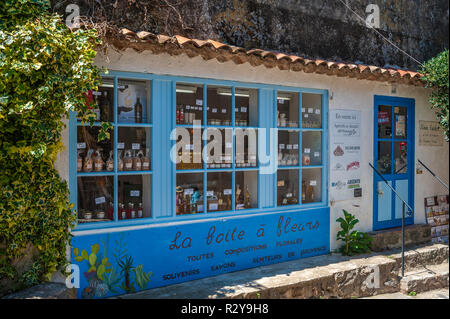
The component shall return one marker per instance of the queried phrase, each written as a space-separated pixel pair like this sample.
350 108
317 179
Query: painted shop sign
128 261
345 154
430 133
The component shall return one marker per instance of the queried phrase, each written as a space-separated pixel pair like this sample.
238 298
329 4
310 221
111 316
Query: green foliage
355 242
45 70
142 278
436 75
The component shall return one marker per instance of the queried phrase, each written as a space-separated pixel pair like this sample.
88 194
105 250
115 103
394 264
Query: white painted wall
346 94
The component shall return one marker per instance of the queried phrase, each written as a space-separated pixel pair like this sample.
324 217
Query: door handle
380 192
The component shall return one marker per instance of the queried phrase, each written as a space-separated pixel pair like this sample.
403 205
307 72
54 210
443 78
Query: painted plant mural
104 278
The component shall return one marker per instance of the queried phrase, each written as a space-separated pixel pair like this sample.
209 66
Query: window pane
312 148
95 199
93 156
311 185
189 148
134 197
246 148
189 103
219 192
287 105
133 105
311 110
384 121
102 100
400 121
246 107
288 148
133 149
189 193
287 187
384 157
219 148
219 105
400 157
246 186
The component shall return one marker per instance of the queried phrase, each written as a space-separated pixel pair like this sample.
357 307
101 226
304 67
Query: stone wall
316 29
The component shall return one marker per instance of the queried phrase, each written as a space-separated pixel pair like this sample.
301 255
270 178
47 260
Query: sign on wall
430 133
345 154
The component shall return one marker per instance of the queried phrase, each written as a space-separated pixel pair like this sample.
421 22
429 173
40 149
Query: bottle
110 162
79 162
181 115
104 107
122 212
88 161
131 211
137 163
128 161
138 111
219 200
310 193
187 206
303 191
146 160
247 197
119 161
178 114
111 211
140 211
98 163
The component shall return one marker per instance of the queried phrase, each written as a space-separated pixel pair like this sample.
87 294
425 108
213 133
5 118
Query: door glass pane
189 103
287 187
246 189
189 193
384 202
312 147
311 110
133 104
288 148
246 107
95 199
400 157
385 121
287 109
218 189
133 149
384 157
401 187
134 197
92 155
219 105
400 121
311 185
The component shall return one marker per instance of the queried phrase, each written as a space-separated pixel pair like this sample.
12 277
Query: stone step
421 256
425 279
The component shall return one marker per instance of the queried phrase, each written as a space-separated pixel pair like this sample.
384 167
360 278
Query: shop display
133 101
288 153
94 197
287 187
437 213
311 185
311 110
287 109
110 162
219 106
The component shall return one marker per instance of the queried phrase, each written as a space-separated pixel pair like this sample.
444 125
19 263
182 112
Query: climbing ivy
46 69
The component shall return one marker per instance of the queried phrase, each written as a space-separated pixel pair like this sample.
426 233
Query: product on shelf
88 162
79 162
110 162
98 162
137 162
138 110
146 160
128 161
119 161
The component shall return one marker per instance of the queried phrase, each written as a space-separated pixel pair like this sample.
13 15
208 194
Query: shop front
214 166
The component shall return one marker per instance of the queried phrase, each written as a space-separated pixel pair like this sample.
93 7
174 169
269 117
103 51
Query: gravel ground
433 294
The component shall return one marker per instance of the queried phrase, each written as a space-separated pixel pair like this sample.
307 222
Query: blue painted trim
410 105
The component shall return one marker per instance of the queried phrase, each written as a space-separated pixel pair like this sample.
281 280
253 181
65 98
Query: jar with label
88 162
146 160
98 163
119 161
110 162
137 163
79 162
128 161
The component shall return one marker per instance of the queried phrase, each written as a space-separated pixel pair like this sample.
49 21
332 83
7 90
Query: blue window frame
161 120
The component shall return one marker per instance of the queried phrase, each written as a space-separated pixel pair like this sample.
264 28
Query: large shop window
214 167
114 175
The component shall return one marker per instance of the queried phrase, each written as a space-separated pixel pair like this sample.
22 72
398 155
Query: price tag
199 102
281 101
281 146
189 147
317 111
96 93
307 151
121 86
227 158
136 146
120 146
303 110
210 193
243 109
213 206
316 154
306 116
289 195
188 107
224 111
214 110
280 183
227 191
228 145
310 110
295 146
81 145
313 183
135 193
100 200
236 110
252 157
289 146
188 191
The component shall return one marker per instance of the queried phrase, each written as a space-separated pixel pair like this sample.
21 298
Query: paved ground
433 294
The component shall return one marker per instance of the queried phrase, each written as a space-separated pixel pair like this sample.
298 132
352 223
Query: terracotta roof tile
210 49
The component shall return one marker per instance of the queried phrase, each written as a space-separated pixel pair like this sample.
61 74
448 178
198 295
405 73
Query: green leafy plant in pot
355 242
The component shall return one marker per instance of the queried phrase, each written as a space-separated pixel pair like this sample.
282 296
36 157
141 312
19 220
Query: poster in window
400 125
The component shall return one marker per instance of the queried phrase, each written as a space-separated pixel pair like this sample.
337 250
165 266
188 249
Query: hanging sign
345 154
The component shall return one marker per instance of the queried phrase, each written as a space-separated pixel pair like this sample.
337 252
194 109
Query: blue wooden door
394 159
